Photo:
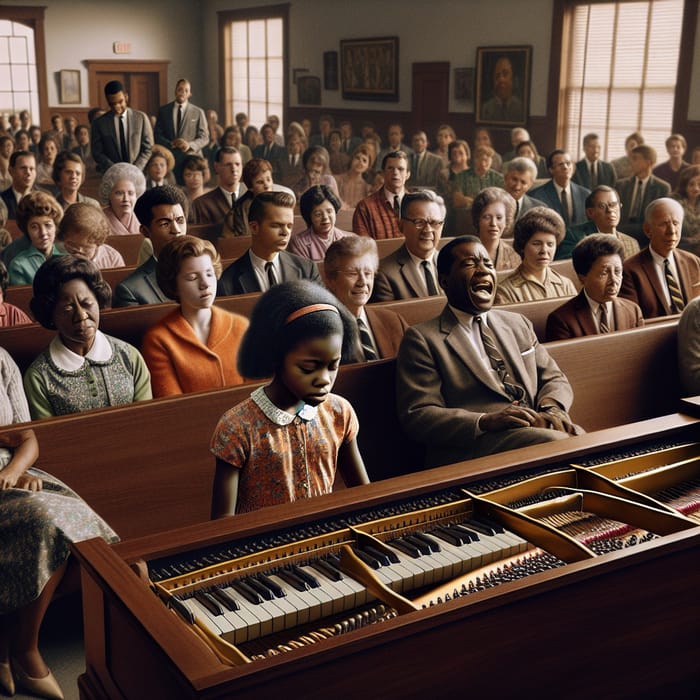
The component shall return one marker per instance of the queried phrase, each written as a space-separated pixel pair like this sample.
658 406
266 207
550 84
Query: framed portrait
369 69
503 85
308 90
69 83
330 70
464 83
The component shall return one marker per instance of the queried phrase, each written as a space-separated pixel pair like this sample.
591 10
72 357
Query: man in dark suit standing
162 214
122 135
591 171
411 270
566 198
638 191
475 381
597 260
181 127
266 263
425 166
349 268
662 279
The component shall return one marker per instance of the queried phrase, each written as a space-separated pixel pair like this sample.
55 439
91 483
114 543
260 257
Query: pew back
147 468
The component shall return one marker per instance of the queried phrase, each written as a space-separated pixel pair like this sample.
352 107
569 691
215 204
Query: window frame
225 18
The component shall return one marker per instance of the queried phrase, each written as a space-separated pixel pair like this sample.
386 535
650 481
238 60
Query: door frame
94 67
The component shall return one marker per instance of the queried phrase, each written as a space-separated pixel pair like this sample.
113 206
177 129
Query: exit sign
121 47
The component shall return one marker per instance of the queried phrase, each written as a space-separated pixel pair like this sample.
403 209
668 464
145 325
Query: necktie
517 209
674 290
122 139
179 118
397 207
565 207
594 174
513 389
603 320
271 276
366 341
429 280
636 210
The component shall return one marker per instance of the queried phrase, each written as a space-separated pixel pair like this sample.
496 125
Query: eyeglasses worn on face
420 224
608 206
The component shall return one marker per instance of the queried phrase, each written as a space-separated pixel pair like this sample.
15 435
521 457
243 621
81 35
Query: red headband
308 310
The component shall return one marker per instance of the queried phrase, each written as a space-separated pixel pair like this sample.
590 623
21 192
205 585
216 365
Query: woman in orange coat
195 347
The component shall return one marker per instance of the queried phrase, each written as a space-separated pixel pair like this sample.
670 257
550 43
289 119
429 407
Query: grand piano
561 570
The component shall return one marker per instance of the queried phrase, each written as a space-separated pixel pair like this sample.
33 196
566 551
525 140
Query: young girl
286 440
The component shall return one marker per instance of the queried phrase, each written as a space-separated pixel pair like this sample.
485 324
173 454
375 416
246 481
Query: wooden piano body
618 625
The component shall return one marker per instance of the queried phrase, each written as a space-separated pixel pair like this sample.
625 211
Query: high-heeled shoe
46 687
7 681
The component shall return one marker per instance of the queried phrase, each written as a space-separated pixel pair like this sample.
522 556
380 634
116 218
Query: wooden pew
128 246
146 467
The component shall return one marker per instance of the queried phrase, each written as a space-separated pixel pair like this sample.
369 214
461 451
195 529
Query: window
619 72
18 71
254 63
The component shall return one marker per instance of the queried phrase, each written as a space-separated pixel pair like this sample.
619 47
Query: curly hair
117 172
84 219
53 274
37 203
491 195
537 220
592 247
270 336
172 255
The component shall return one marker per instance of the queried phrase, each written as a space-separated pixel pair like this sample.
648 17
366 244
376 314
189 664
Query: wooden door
431 92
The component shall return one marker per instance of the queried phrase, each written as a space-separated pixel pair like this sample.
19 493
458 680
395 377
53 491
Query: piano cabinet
622 624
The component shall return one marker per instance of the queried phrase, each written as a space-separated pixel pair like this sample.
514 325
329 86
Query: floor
62 645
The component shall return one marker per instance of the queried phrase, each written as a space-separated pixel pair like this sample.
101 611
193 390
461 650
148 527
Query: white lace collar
277 415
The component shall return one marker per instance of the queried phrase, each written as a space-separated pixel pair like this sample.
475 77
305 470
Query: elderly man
662 279
377 215
519 176
348 271
517 135
475 381
411 271
561 194
603 212
596 309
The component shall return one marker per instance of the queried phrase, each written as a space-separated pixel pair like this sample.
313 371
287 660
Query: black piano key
430 541
450 536
406 548
259 587
276 589
496 526
422 547
480 527
305 576
209 602
294 581
471 533
225 598
382 558
250 594
327 569
181 609
366 558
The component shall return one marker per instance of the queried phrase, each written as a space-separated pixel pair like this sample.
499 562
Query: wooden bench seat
146 467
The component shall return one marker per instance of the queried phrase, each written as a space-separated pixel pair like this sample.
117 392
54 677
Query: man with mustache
475 381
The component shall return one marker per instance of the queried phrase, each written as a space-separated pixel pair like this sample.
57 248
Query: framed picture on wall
330 70
69 83
464 83
503 85
369 69
308 90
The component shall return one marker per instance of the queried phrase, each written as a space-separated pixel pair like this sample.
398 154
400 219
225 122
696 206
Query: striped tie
513 389
603 321
674 290
366 341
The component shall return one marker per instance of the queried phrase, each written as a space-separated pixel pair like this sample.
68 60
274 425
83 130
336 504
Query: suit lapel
584 315
511 353
650 271
409 272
